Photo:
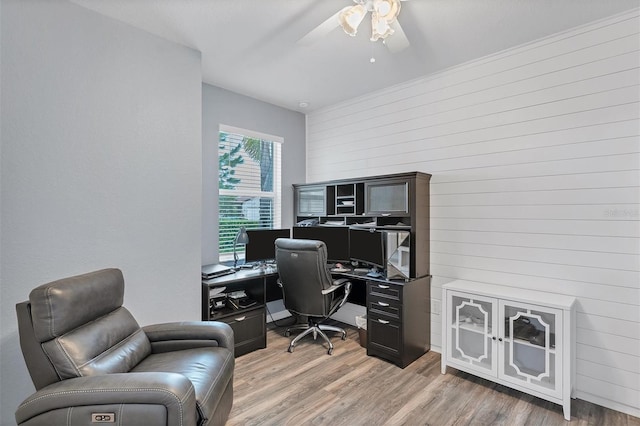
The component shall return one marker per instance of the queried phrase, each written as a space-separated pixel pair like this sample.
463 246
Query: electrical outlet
436 307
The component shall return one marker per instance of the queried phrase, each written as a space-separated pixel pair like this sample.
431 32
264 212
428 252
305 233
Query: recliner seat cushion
209 369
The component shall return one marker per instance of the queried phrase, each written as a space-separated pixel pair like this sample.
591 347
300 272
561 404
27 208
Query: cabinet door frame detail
527 311
546 326
488 332
485 353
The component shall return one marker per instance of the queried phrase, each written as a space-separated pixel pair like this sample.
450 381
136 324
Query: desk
248 324
398 312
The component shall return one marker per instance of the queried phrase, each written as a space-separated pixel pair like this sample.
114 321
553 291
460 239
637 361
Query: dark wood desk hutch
398 311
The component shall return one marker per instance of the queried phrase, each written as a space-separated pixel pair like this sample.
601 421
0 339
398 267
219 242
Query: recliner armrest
170 390
189 334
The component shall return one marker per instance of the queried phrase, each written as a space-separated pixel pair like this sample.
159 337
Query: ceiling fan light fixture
387 9
350 18
380 28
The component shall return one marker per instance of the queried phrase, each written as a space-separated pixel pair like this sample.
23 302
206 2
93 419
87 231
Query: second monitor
368 246
336 238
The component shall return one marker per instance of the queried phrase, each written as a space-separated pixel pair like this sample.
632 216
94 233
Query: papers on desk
371 223
216 290
340 270
334 222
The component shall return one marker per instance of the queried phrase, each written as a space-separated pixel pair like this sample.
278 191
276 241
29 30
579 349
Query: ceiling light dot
303 104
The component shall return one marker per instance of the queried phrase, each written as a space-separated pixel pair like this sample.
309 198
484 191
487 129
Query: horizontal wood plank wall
535 157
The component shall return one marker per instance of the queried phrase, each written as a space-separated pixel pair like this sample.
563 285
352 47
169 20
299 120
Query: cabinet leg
566 410
443 365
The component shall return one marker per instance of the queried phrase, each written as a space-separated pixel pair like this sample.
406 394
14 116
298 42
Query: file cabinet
249 330
398 319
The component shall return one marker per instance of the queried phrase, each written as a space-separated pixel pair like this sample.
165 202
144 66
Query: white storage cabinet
519 338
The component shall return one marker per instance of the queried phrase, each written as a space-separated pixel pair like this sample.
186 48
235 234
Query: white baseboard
632 411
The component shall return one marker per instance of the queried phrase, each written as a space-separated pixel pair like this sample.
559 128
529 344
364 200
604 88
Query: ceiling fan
384 23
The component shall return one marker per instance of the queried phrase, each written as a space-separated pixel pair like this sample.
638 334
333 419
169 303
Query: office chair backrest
78 327
302 266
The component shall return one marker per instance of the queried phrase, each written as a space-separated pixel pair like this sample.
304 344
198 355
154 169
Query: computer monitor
261 246
336 238
367 246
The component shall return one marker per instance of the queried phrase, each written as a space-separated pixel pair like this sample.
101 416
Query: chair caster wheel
290 350
344 337
287 333
330 351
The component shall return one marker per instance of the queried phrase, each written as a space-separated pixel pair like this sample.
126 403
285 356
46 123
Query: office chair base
316 330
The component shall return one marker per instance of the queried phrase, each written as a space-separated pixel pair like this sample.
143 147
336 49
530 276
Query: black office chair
308 288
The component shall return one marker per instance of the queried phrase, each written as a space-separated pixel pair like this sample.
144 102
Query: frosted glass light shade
350 17
380 28
387 9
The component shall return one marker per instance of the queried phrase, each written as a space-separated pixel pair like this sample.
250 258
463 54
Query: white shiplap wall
535 157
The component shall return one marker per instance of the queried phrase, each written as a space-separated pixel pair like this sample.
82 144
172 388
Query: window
249 185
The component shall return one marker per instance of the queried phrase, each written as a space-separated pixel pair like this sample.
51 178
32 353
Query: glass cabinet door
530 356
387 197
470 330
311 201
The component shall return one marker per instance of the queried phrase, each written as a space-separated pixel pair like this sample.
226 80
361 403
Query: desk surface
242 275
270 271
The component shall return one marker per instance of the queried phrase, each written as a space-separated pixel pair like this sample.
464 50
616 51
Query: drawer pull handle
241 318
383 286
381 321
383 304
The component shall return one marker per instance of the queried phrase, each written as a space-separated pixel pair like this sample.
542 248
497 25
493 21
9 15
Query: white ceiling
250 46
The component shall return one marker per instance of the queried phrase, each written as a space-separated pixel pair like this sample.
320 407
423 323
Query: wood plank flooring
309 387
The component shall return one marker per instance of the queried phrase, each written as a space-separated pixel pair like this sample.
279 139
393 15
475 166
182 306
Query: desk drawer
248 330
384 335
387 290
384 306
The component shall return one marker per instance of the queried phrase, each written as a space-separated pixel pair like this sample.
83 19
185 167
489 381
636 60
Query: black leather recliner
91 362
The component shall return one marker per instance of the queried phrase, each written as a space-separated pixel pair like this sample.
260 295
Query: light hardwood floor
309 387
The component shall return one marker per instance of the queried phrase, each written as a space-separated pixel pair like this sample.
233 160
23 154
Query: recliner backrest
303 271
82 327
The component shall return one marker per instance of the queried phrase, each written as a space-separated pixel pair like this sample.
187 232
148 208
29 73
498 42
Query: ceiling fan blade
321 30
398 41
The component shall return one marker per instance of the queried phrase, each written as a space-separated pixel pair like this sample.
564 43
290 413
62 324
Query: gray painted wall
220 106
101 166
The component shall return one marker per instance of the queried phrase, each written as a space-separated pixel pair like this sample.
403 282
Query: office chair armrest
153 398
176 336
339 283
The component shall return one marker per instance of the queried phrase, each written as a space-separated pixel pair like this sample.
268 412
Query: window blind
249 183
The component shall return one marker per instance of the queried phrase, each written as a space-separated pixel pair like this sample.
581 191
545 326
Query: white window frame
276 194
